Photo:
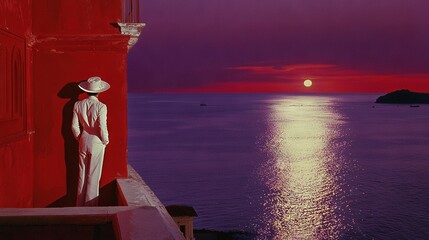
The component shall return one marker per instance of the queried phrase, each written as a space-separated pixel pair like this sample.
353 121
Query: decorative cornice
133 30
62 43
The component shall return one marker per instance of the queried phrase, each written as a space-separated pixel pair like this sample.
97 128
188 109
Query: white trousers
91 155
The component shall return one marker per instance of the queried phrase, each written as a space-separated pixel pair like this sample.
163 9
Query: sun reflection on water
303 200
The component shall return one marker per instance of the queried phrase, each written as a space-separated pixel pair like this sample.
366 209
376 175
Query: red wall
66 42
74 41
16 154
16 174
15 16
76 16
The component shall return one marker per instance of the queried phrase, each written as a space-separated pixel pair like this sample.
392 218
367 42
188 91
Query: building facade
46 48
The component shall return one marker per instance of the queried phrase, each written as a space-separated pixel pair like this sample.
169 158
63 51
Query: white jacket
92 116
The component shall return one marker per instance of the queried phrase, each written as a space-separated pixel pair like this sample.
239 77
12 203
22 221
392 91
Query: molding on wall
62 43
133 30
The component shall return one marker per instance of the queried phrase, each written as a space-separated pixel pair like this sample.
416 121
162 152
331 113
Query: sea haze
287 166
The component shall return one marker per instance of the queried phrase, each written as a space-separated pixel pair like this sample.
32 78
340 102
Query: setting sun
308 83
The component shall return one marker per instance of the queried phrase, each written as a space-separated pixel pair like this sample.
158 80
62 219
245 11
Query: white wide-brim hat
94 85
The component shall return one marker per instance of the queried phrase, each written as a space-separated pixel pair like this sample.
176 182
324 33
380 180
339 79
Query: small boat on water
414 105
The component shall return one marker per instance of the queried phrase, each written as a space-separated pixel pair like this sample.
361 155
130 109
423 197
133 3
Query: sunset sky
274 45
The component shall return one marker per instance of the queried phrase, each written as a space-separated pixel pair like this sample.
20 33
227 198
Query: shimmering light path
303 176
287 166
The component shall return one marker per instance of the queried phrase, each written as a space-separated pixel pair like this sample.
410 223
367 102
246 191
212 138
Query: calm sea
287 166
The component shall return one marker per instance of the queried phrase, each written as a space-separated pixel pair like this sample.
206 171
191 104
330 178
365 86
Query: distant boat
414 105
203 105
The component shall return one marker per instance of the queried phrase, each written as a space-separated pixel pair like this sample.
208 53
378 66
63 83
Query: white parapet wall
147 209
141 215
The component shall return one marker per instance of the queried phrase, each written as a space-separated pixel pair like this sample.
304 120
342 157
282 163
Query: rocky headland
404 96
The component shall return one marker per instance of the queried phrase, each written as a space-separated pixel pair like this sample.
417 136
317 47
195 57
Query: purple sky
273 45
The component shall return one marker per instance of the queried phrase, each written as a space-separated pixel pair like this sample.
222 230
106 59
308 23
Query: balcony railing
130 11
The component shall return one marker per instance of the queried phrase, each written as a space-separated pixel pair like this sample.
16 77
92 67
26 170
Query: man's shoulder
90 102
80 102
101 106
77 103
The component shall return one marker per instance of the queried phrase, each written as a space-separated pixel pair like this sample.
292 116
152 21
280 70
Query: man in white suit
89 126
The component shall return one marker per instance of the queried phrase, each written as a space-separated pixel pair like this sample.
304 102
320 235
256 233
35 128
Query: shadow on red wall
70 91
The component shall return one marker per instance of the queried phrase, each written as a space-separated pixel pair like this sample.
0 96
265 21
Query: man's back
92 116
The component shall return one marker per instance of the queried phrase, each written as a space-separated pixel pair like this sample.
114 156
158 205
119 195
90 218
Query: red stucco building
46 47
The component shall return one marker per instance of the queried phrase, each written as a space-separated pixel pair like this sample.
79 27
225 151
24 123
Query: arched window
17 83
4 88
13 122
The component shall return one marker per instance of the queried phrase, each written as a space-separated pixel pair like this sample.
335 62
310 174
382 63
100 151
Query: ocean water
287 166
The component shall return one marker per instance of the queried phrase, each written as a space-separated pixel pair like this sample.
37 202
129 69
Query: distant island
404 96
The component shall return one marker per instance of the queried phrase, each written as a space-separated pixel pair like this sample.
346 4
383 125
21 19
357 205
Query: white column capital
133 30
